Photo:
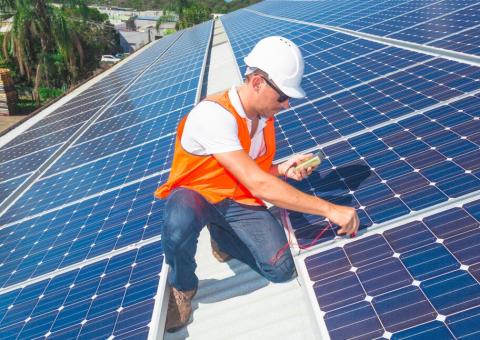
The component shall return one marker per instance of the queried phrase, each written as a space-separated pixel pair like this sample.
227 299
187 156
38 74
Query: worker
222 173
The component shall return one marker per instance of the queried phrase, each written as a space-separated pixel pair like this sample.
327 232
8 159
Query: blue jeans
250 234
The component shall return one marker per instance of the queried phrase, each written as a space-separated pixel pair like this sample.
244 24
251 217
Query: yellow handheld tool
313 162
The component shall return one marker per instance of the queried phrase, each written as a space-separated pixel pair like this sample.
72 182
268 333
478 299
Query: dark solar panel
400 131
403 282
397 169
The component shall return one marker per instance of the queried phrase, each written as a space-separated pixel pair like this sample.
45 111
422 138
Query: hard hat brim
293 92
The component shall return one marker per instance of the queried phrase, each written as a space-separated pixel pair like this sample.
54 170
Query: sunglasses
281 96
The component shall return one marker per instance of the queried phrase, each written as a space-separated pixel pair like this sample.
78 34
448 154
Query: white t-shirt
211 129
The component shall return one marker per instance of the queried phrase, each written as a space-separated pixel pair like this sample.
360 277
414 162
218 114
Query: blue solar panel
346 97
111 297
386 167
8 186
38 143
438 28
26 164
89 206
117 131
367 105
397 169
403 282
400 130
83 230
413 21
467 41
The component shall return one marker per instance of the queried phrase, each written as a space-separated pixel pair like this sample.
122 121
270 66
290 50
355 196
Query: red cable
280 252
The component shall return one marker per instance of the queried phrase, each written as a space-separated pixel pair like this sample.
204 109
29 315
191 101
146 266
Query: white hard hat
282 60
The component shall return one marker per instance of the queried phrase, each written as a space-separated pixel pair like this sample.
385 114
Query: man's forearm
274 190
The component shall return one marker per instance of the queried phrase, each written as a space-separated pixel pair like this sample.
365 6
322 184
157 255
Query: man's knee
181 220
281 271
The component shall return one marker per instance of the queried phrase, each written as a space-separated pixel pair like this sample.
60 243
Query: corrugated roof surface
233 301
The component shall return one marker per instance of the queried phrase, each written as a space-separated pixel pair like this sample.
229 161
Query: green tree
186 13
52 46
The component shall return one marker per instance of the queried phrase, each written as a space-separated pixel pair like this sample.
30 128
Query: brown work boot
217 253
179 309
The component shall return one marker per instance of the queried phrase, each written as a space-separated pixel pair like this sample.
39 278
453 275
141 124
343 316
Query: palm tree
39 32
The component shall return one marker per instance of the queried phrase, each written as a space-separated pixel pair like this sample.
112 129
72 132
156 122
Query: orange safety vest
205 174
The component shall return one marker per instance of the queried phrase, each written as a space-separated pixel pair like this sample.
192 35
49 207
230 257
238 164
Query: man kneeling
222 172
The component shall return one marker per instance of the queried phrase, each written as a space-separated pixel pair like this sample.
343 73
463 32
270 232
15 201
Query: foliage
26 106
214 6
169 31
55 47
47 93
186 13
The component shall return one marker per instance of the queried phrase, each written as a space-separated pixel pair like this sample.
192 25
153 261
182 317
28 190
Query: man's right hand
269 188
345 217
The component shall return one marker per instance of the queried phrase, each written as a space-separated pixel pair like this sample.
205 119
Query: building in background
136 28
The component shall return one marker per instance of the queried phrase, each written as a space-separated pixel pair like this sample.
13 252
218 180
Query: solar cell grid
337 78
79 231
121 134
403 281
438 28
37 137
175 88
181 89
8 186
110 297
312 10
146 115
412 12
60 135
48 123
105 174
392 171
369 104
414 21
53 127
466 41
177 71
426 14
118 141
362 10
163 140
25 164
333 12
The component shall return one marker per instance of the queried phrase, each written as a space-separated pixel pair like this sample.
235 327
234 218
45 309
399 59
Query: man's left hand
287 168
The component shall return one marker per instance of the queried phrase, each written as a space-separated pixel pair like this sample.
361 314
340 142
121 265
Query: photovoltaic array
80 246
395 107
393 99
